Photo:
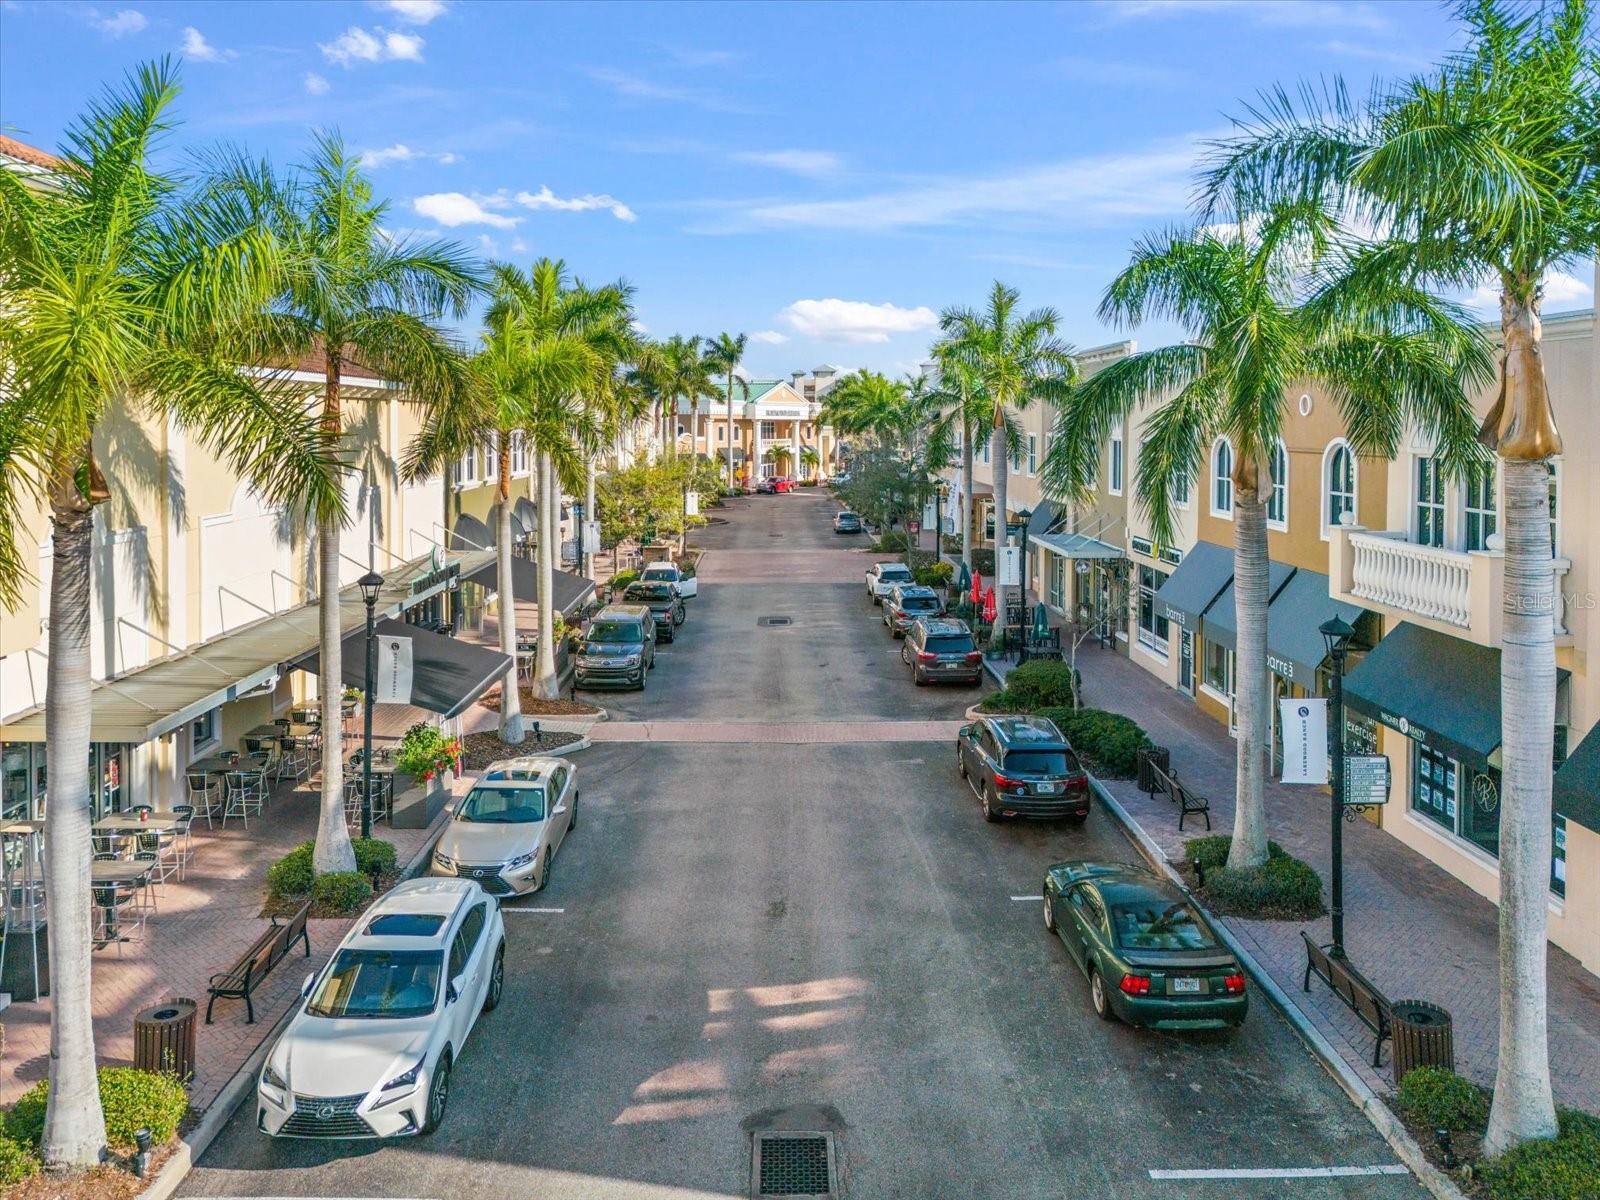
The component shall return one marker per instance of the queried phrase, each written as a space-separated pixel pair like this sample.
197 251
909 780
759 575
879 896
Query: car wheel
1049 911
438 1095
572 821
961 762
497 980
1098 997
918 678
544 872
991 811
1077 822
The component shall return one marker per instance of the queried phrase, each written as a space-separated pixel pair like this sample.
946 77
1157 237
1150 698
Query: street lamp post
1336 635
939 493
370 583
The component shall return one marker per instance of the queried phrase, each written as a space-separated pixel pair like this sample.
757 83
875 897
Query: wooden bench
1367 1002
1190 803
241 979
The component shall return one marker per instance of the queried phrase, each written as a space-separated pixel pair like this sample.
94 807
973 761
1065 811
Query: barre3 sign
1304 723
393 683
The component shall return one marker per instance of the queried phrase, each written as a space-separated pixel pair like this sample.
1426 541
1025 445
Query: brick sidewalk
1412 928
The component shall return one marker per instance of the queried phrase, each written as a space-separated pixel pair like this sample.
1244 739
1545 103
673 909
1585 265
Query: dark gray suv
1021 766
941 650
665 605
619 647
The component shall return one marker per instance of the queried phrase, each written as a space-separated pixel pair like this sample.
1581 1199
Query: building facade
776 430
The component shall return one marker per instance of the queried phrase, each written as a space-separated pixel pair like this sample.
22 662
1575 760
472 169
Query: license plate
1185 985
1048 789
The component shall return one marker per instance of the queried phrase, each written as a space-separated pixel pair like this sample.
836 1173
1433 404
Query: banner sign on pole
1009 564
393 682
591 537
691 504
1304 723
1366 779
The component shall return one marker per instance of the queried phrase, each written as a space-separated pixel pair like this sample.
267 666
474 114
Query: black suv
664 603
907 602
1021 766
619 647
942 649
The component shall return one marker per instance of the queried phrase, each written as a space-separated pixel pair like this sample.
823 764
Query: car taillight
1233 984
974 655
1135 985
927 656
1077 782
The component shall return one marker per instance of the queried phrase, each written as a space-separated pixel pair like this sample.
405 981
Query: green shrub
132 1099
1109 743
1211 852
424 752
983 561
374 855
17 1162
622 579
1002 701
1041 683
292 875
342 891
937 574
1564 1168
1282 887
1442 1099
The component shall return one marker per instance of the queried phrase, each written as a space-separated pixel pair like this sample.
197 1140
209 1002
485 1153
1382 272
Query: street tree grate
770 621
793 1165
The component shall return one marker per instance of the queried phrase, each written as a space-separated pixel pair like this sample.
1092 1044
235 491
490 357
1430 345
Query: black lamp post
939 493
1336 635
370 584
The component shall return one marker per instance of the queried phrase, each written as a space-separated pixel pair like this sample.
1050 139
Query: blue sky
826 177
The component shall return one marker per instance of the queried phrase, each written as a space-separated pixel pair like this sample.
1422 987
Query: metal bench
241 979
1367 1002
1190 803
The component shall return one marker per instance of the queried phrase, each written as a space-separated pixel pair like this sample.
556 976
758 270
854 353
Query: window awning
1577 787
1044 518
1076 545
570 592
1436 689
446 674
469 533
1295 647
1205 570
170 692
1222 618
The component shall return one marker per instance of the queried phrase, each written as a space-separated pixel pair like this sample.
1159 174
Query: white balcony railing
1431 582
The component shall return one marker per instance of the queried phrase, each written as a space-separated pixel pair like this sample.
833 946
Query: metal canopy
1190 590
1044 518
1222 618
1076 545
1577 786
170 692
1294 634
446 674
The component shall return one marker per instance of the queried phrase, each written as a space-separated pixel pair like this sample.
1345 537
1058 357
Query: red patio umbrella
977 586
988 605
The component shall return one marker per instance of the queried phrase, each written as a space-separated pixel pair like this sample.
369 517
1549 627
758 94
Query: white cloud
518 246
414 12
769 337
688 57
120 23
856 320
376 45
456 208
316 84
797 162
372 160
1560 288
635 87
545 198
196 47
1294 14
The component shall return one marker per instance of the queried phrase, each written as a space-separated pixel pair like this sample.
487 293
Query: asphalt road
754 933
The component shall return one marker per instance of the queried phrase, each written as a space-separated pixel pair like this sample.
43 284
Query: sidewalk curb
217 1114
1370 1104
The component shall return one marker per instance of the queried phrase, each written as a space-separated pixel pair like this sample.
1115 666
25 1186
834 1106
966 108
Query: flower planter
419 805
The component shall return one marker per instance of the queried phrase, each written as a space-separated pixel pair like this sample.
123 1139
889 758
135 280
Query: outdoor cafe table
104 872
267 731
222 764
125 823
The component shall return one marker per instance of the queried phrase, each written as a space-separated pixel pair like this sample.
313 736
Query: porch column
795 454
755 434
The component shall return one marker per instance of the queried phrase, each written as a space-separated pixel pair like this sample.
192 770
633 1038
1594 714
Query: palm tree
360 295
121 296
1385 355
1014 361
725 354
685 376
867 402
1483 170
963 405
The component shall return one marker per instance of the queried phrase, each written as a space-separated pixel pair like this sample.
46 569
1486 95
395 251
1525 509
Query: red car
784 485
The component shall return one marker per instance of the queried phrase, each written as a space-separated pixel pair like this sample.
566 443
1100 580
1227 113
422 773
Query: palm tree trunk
1523 1106
588 517
510 699
75 1127
545 683
333 851
1250 588
997 450
730 426
966 487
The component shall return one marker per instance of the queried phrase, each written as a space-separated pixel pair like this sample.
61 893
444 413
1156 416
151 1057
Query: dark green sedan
1150 956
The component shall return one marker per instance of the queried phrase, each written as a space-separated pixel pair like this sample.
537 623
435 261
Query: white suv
369 1053
884 577
664 572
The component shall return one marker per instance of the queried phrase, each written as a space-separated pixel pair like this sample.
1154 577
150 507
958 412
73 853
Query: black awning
447 674
469 533
1577 788
1436 689
570 592
1294 633
524 518
1222 618
1204 572
1044 518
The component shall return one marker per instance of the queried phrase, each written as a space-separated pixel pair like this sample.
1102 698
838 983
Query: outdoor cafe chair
205 794
183 836
239 788
117 915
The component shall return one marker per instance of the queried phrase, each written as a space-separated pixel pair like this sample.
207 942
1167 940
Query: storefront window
21 780
1482 516
1058 581
1433 787
1480 812
1558 859
203 730
1153 629
1219 669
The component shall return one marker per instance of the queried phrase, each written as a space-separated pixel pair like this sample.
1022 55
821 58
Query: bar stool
239 787
205 793
183 836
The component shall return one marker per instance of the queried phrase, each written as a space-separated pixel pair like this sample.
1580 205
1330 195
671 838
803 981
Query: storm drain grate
774 621
793 1165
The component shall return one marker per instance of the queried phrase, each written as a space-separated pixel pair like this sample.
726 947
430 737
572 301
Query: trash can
1152 756
163 1037
1422 1037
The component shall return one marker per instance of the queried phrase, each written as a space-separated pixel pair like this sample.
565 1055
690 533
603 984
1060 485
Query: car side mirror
305 988
453 992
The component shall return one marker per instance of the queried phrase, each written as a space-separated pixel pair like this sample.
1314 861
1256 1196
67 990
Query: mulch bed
284 907
102 1183
535 706
478 750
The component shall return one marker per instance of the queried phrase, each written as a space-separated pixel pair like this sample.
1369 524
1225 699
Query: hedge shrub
342 891
292 875
622 579
1282 887
1442 1099
1108 742
132 1099
1564 1168
17 1161
374 855
1041 683
937 574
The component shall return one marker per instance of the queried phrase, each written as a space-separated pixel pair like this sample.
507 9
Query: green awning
1044 518
1222 618
1205 570
447 674
1577 788
1295 648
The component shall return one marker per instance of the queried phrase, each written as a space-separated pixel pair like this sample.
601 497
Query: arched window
1278 502
1338 484
1222 478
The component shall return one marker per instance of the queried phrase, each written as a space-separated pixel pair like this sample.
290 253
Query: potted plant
432 760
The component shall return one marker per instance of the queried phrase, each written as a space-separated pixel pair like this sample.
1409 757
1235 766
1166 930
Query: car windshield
381 984
489 805
666 573
621 633
1042 762
650 591
919 603
848 516
1153 925
957 644
894 573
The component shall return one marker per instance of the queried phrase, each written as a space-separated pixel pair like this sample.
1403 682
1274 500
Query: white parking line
1280 1172
504 909
1032 897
